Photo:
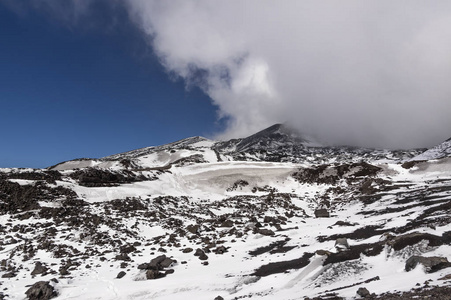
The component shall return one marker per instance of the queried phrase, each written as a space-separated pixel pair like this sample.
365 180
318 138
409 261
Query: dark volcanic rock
363 292
330 174
39 269
264 231
92 177
321 213
154 274
439 293
201 254
143 266
400 242
167 262
9 275
155 264
431 264
282 266
220 250
194 229
354 252
41 290
120 274
227 223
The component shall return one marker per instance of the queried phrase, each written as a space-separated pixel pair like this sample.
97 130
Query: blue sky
69 92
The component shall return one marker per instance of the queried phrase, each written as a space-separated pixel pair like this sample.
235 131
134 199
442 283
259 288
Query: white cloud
363 72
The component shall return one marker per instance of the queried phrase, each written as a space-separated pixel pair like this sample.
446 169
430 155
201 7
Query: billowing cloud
374 73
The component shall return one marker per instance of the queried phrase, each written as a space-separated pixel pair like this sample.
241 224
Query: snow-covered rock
440 151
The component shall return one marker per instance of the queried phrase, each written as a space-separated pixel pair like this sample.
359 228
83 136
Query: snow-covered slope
440 151
190 220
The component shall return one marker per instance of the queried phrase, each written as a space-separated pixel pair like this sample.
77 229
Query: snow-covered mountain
271 216
277 143
442 150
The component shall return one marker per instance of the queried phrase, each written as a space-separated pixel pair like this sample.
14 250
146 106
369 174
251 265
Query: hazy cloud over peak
373 73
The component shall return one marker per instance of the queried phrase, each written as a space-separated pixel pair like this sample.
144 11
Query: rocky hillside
272 216
442 150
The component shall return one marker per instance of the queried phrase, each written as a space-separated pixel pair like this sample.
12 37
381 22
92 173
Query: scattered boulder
127 249
227 223
194 229
344 223
322 213
446 277
156 265
39 269
41 290
411 163
363 292
120 275
431 264
9 275
201 254
220 250
123 257
203 257
267 232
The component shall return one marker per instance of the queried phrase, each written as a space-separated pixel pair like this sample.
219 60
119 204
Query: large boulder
157 264
154 274
363 292
431 264
41 290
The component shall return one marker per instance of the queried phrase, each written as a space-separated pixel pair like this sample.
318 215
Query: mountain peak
271 138
279 129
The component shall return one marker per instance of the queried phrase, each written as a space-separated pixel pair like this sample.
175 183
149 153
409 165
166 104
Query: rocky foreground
191 220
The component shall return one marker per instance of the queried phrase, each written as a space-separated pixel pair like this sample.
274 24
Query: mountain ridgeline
277 143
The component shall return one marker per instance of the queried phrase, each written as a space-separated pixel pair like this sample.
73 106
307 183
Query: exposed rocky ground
202 220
